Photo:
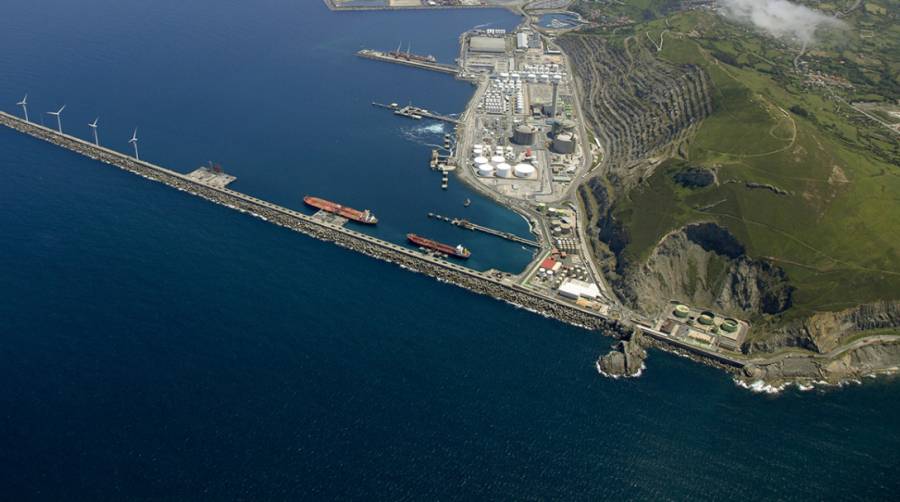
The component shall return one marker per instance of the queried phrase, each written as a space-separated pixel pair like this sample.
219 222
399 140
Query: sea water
153 345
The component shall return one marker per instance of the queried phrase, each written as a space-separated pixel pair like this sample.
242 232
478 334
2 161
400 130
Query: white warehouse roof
487 44
575 289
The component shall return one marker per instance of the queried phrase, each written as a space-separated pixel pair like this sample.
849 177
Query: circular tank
503 170
481 160
485 169
497 159
564 143
523 135
705 319
524 170
681 311
730 326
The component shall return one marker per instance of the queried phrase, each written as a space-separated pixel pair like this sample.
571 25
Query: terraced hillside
767 198
639 103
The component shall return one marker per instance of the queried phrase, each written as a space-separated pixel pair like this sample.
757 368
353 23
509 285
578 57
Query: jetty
414 112
491 282
425 65
468 225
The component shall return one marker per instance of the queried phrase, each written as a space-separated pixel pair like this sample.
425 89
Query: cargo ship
459 251
356 215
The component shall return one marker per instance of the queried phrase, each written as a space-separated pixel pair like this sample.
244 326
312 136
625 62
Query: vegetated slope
798 211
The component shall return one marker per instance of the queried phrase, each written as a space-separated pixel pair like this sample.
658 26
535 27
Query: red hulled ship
347 212
459 251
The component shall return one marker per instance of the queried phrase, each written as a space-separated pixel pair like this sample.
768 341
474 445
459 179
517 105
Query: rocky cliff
705 266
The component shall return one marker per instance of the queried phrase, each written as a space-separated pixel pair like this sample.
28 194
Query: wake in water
431 135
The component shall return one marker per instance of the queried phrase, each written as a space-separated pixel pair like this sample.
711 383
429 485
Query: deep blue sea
156 346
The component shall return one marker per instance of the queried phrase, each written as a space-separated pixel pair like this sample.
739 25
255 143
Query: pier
425 65
468 225
414 112
491 283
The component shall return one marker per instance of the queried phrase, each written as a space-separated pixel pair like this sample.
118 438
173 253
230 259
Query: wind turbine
93 125
24 105
58 119
134 141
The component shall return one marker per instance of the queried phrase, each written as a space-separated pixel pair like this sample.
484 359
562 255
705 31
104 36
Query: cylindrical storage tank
523 135
532 77
503 170
730 326
524 170
564 144
705 319
497 159
481 160
485 170
681 311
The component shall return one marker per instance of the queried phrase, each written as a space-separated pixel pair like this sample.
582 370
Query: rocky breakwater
472 280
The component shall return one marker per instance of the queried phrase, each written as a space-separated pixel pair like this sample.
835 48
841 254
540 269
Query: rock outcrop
823 332
626 359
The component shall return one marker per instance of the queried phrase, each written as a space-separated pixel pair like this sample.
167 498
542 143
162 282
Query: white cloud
780 18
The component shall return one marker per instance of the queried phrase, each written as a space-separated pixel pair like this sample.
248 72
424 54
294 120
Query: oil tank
681 311
503 170
481 160
485 170
523 135
564 143
497 159
524 170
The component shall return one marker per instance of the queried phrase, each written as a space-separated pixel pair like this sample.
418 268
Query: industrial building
575 289
492 45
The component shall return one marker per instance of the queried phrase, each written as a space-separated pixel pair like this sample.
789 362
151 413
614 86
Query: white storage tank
485 170
481 160
504 170
524 170
496 159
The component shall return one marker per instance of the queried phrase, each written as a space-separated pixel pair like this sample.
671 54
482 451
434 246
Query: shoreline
745 370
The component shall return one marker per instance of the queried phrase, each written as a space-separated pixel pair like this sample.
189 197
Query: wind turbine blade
61 109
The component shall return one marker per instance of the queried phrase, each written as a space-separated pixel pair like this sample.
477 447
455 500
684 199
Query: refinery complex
522 142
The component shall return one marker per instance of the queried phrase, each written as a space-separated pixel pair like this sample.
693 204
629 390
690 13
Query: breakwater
478 282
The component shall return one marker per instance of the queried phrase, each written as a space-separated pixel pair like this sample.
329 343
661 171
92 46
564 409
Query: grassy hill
802 180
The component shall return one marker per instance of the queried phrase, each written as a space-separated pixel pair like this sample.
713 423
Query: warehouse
487 44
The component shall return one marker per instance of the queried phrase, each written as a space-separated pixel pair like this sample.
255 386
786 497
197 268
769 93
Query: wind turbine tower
24 105
134 141
93 125
58 113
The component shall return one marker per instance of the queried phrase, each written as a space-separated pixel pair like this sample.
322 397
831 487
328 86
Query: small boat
467 203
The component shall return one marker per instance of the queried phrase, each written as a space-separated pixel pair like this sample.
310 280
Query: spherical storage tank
497 159
504 170
485 169
524 170
481 160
